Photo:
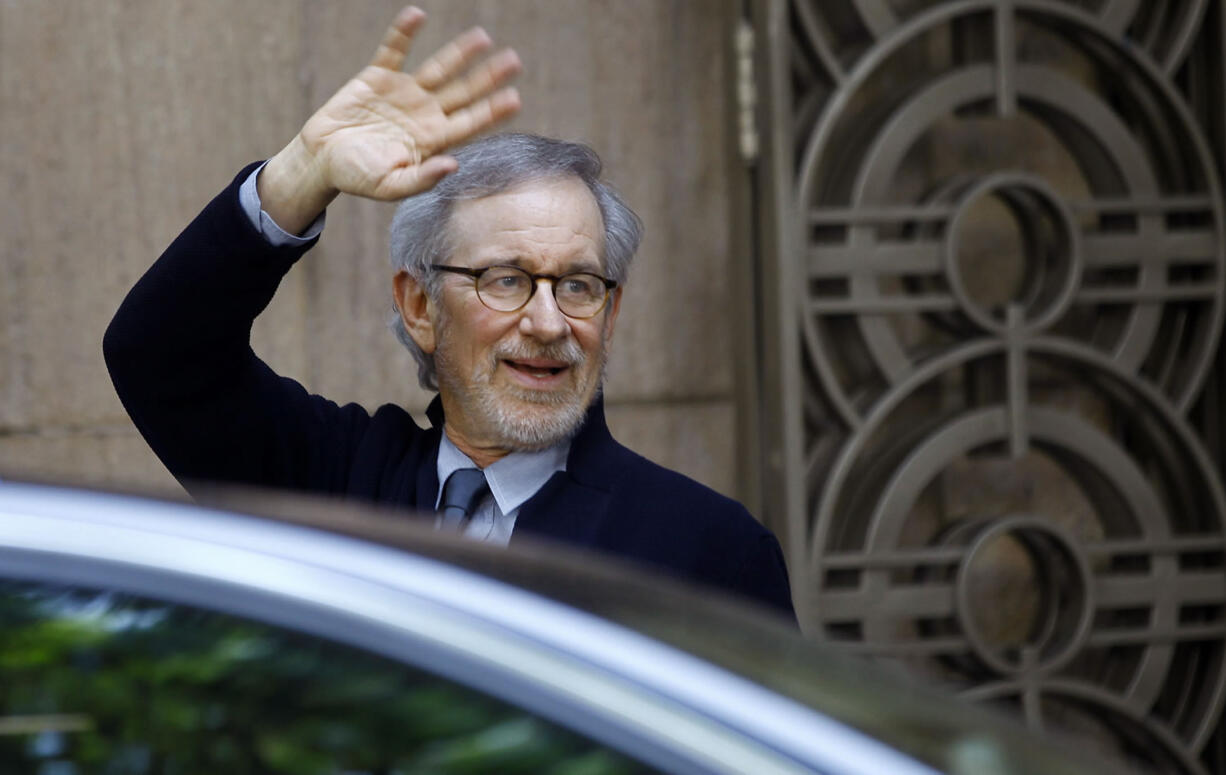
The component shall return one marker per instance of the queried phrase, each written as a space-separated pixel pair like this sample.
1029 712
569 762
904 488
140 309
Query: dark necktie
463 490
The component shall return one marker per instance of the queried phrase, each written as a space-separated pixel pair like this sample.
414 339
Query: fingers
452 59
447 73
398 38
449 99
414 179
483 80
480 116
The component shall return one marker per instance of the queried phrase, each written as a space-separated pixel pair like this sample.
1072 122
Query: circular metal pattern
1133 617
1063 574
1054 268
1067 363
1150 236
1164 29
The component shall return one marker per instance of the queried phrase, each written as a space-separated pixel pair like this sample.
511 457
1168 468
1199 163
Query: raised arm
178 349
385 133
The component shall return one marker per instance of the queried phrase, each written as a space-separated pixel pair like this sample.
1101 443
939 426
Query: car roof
511 607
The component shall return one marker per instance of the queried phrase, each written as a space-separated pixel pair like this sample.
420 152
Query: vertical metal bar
781 402
1032 699
1206 78
746 287
1006 58
1016 381
1217 131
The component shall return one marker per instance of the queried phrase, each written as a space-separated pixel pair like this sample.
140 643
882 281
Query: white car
144 636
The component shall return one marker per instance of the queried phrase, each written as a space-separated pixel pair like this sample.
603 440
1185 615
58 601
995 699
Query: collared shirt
512 480
249 201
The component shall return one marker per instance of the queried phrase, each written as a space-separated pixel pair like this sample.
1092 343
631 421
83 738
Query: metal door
990 241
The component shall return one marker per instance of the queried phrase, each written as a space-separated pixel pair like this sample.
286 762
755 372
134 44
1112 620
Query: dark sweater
180 357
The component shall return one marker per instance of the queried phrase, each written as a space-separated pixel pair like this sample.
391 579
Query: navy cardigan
179 355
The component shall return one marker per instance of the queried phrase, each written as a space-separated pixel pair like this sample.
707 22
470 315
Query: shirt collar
512 479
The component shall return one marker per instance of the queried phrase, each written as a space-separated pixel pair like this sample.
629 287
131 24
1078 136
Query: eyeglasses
508 288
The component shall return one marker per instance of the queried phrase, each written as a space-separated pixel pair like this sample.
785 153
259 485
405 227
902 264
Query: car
145 635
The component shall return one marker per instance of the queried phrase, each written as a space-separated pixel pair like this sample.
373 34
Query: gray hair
492 165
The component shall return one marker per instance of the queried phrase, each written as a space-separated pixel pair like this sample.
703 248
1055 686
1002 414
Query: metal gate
991 241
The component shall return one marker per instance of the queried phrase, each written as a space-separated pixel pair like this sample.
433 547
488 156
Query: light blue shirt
512 480
249 200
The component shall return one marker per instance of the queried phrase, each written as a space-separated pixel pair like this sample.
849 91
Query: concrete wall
120 119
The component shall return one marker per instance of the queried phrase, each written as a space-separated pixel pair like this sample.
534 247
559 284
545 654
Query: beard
517 417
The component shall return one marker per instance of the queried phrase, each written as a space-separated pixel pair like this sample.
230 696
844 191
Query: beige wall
119 120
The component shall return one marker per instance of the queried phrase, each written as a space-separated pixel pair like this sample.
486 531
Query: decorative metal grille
1010 265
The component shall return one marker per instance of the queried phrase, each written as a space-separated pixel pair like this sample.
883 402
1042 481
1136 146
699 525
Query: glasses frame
553 279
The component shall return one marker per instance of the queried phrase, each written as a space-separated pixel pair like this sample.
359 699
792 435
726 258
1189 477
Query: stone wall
120 119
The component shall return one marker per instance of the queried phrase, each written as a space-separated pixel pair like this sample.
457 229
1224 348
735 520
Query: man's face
523 379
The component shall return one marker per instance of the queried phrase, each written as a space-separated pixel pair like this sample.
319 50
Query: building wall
120 119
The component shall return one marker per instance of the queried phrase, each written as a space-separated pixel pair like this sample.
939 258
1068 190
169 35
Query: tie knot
463 490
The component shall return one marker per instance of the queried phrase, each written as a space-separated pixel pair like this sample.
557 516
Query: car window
884 703
880 700
95 681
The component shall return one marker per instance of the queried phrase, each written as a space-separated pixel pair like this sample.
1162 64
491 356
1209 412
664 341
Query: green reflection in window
94 682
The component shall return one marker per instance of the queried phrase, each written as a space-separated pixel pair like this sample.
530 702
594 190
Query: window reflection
96 682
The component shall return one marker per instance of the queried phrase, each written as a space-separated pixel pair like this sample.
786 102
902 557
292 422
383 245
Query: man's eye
578 286
504 280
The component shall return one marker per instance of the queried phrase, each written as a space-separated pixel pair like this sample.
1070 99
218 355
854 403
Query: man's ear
416 310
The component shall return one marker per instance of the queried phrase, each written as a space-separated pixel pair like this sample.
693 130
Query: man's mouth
538 368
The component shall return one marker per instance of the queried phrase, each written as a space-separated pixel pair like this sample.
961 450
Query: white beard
519 418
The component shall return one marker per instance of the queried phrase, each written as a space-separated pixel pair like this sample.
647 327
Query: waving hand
385 133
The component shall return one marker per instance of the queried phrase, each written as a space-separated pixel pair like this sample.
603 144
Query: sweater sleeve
763 576
179 354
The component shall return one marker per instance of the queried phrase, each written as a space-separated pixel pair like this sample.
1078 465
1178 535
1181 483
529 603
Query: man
510 257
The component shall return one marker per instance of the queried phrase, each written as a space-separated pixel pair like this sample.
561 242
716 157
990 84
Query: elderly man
510 258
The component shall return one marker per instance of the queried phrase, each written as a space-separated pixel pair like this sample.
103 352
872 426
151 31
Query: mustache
567 351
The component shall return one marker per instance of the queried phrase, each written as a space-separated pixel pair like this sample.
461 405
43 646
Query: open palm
380 136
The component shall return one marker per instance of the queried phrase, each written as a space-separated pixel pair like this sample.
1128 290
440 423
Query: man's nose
541 318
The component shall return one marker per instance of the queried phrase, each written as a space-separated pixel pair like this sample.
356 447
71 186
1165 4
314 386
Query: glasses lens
580 295
504 288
